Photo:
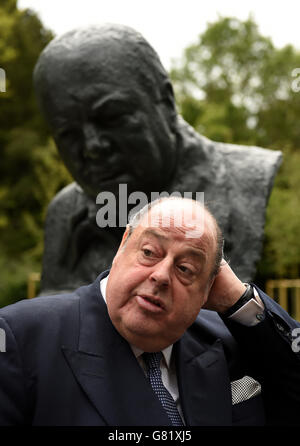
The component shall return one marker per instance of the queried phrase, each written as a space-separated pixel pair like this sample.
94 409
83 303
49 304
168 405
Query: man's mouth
150 303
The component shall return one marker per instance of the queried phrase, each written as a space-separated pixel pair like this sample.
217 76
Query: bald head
189 216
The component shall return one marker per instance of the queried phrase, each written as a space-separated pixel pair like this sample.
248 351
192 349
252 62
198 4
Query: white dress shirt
246 315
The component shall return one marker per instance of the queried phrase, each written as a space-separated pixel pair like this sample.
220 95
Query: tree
30 171
234 85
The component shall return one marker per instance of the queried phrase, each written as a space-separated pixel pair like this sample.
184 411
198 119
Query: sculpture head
110 106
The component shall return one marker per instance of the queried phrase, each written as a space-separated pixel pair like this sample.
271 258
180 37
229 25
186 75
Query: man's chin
146 338
140 336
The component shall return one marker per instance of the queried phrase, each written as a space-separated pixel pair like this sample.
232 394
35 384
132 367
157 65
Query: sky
170 25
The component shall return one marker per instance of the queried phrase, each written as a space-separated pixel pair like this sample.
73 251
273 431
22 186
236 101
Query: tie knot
152 360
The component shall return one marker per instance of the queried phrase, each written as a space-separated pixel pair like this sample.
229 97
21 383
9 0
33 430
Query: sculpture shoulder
67 203
251 164
242 163
67 197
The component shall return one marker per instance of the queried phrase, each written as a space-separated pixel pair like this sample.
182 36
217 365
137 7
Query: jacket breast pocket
249 412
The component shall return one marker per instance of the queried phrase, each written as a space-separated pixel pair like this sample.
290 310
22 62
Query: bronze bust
110 106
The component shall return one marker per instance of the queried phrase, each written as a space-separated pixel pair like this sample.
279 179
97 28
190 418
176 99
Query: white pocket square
243 389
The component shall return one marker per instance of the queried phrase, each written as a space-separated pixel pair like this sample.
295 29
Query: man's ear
210 284
123 242
125 236
207 290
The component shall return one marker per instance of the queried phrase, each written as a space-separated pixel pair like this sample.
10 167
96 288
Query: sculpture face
109 128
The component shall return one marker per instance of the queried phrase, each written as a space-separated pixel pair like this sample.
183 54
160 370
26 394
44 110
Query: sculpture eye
115 118
111 118
67 133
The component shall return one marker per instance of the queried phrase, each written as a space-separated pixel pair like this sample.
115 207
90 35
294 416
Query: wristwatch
245 297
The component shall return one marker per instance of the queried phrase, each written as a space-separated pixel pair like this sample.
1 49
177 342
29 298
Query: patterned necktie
152 361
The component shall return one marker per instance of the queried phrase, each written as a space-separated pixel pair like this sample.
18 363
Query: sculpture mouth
122 177
96 174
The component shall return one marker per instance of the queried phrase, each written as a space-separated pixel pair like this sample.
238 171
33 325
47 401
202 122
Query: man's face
158 283
109 130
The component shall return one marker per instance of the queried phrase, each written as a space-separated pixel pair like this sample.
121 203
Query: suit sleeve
12 382
269 352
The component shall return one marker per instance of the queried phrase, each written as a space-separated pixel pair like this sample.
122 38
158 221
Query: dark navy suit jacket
65 364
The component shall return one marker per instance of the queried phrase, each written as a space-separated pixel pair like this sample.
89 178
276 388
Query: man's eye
147 252
185 269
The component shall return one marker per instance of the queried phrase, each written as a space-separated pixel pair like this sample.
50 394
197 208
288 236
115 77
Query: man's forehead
188 220
192 244
187 217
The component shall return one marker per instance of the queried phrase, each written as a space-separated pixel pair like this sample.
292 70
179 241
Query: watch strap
245 297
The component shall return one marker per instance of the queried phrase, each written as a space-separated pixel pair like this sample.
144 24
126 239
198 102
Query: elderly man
111 110
132 348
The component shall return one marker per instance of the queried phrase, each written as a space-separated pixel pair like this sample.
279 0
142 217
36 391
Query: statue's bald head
110 106
106 52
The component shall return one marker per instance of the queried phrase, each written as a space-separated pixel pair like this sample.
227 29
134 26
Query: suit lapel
203 382
107 370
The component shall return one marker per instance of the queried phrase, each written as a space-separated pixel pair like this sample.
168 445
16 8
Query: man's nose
95 143
161 274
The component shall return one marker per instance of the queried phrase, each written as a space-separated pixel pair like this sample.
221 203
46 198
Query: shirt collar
103 284
167 352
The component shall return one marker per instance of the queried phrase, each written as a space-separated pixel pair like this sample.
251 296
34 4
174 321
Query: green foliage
282 247
14 278
234 86
31 171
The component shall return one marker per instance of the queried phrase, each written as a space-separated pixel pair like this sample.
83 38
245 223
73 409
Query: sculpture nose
95 143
